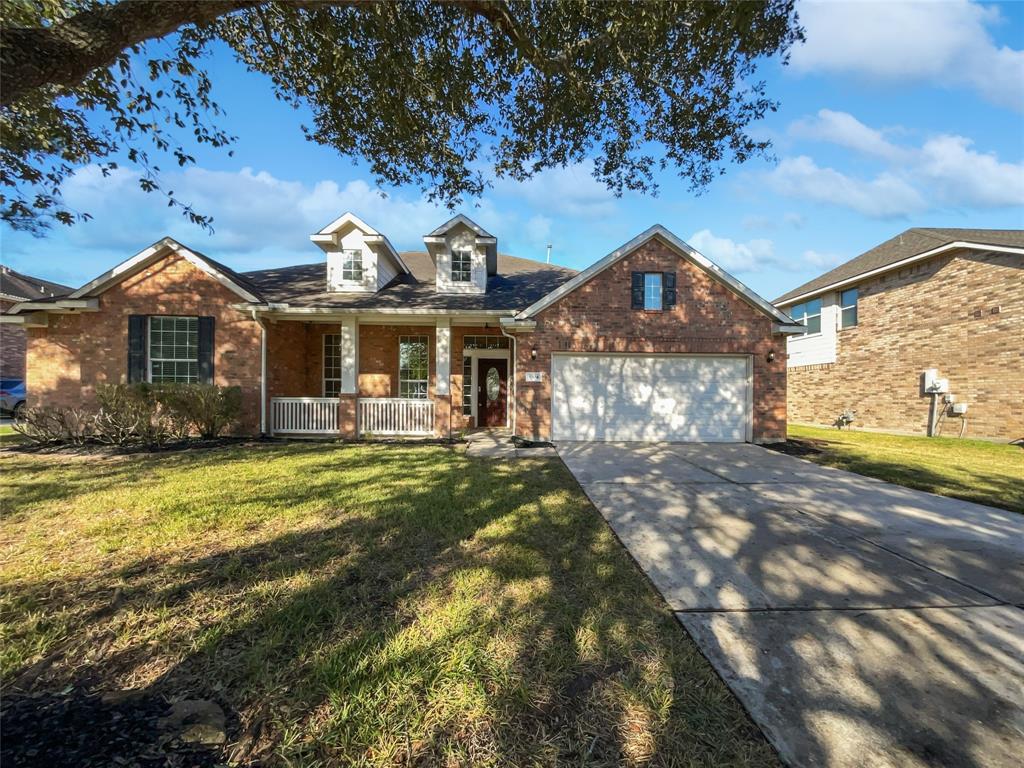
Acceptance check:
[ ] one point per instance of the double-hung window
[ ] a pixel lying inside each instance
(173, 349)
(808, 314)
(462, 261)
(352, 265)
(652, 291)
(848, 308)
(332, 364)
(413, 366)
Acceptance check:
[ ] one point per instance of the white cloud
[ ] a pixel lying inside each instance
(945, 43)
(944, 171)
(885, 196)
(731, 255)
(820, 261)
(845, 130)
(569, 191)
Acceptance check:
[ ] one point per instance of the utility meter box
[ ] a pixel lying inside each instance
(941, 386)
(959, 409)
(930, 375)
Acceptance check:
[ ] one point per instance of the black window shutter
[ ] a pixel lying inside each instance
(136, 348)
(638, 290)
(668, 289)
(206, 350)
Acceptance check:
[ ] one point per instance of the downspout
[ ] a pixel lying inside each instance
(515, 373)
(263, 372)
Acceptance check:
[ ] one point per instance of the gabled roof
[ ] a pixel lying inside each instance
(683, 249)
(158, 250)
(518, 283)
(465, 221)
(17, 286)
(922, 242)
(325, 237)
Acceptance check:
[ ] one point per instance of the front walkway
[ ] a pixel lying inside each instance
(859, 622)
(497, 444)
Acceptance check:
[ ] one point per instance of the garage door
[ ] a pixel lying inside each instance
(673, 398)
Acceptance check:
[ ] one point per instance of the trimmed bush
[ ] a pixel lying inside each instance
(208, 409)
(56, 425)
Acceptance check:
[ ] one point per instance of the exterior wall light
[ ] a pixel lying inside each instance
(533, 353)
(771, 355)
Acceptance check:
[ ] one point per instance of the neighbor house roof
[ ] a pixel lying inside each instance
(16, 286)
(917, 241)
(519, 283)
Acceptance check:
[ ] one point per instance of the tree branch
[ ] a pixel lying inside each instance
(66, 52)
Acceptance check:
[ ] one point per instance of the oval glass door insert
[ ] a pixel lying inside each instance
(493, 384)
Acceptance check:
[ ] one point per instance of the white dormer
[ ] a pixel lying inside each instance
(359, 258)
(464, 256)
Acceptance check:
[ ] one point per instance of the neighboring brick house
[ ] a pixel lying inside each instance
(15, 288)
(652, 342)
(945, 299)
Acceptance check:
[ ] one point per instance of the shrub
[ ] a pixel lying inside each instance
(56, 425)
(209, 409)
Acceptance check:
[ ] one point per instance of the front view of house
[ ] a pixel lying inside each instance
(653, 342)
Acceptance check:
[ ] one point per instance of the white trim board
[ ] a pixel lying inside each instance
(899, 264)
(684, 250)
(151, 255)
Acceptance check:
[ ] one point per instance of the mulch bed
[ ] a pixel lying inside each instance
(80, 729)
(798, 447)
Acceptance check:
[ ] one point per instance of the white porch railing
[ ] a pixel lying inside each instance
(395, 416)
(304, 415)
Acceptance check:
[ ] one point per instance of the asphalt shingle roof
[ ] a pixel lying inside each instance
(903, 246)
(29, 288)
(519, 283)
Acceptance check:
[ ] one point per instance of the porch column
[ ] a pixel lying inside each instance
(347, 405)
(443, 376)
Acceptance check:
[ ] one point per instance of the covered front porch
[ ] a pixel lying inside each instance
(363, 377)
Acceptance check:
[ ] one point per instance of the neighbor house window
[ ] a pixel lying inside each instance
(848, 308)
(467, 386)
(652, 290)
(461, 263)
(808, 314)
(352, 265)
(174, 349)
(412, 366)
(332, 364)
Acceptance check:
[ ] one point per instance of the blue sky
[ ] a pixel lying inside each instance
(892, 115)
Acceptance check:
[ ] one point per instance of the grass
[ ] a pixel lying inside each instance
(8, 436)
(357, 605)
(974, 470)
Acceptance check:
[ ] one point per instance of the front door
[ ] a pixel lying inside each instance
(491, 399)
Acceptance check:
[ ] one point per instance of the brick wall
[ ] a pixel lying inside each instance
(597, 317)
(962, 313)
(78, 351)
(12, 347)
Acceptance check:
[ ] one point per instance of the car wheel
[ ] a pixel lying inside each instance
(19, 411)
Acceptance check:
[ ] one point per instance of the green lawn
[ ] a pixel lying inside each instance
(367, 605)
(8, 436)
(975, 470)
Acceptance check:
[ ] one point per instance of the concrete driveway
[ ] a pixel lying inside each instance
(860, 623)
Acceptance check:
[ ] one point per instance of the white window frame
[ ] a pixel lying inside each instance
(352, 268)
(803, 319)
(467, 385)
(648, 291)
(336, 350)
(150, 359)
(466, 255)
(843, 307)
(426, 380)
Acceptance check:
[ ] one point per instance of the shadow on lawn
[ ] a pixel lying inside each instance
(476, 613)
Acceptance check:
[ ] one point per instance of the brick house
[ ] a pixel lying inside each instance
(949, 301)
(14, 289)
(652, 342)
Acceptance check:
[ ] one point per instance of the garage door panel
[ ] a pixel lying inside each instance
(649, 398)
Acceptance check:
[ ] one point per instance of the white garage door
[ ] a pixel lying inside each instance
(672, 398)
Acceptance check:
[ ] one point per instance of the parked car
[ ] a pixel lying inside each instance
(12, 397)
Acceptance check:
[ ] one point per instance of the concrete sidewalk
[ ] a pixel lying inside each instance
(860, 623)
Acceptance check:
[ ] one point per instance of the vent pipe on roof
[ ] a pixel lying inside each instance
(549, 254)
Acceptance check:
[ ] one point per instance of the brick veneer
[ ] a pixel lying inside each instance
(708, 319)
(12, 347)
(78, 351)
(936, 314)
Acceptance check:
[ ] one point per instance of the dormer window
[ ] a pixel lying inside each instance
(352, 265)
(462, 261)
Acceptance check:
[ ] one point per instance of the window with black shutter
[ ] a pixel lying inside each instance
(638, 290)
(668, 282)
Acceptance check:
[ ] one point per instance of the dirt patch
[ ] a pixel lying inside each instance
(76, 728)
(794, 447)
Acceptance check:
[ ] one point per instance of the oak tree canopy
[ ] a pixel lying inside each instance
(442, 94)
